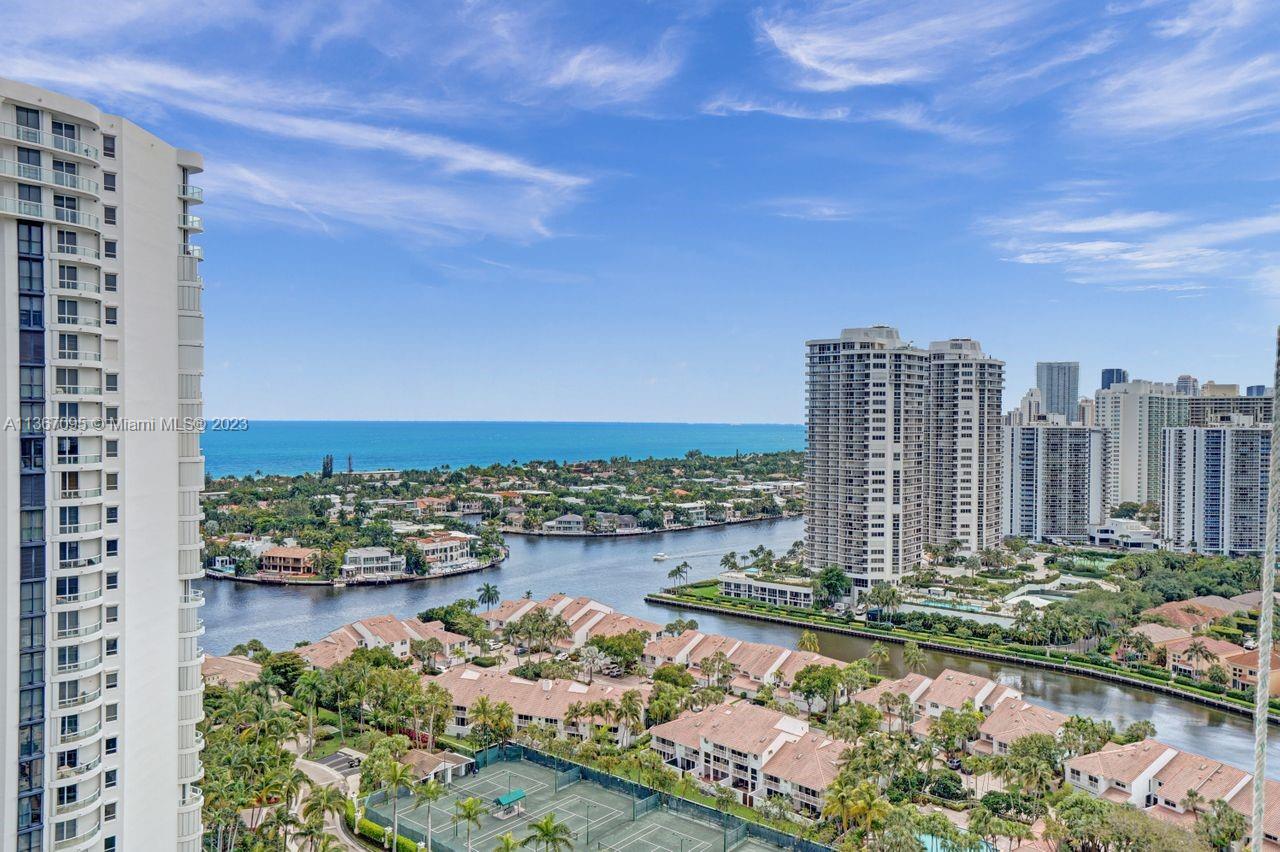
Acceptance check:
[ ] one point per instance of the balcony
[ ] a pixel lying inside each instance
(78, 632)
(191, 629)
(78, 286)
(194, 194)
(82, 562)
(80, 840)
(25, 171)
(79, 666)
(78, 355)
(77, 390)
(77, 252)
(194, 799)
(78, 805)
(79, 701)
(31, 136)
(187, 222)
(48, 212)
(196, 598)
(77, 321)
(189, 250)
(79, 597)
(80, 735)
(80, 459)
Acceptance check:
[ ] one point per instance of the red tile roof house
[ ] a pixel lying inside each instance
(1012, 720)
(294, 561)
(752, 750)
(586, 618)
(544, 702)
(1181, 660)
(386, 631)
(950, 690)
(1193, 614)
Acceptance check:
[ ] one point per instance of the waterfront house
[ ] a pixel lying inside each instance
(1193, 614)
(432, 505)
(445, 549)
(569, 523)
(1120, 773)
(288, 561)
(1243, 669)
(371, 562)
(386, 631)
(950, 690)
(586, 618)
(546, 702)
(229, 670)
(1184, 656)
(753, 751)
(776, 590)
(1012, 720)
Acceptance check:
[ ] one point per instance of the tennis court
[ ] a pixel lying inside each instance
(597, 818)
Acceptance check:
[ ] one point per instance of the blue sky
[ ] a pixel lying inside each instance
(640, 211)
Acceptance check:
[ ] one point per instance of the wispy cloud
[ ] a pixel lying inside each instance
(915, 116)
(811, 209)
(725, 105)
(605, 74)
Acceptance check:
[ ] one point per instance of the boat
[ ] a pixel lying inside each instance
(660, 557)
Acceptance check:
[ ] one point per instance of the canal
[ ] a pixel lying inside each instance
(620, 571)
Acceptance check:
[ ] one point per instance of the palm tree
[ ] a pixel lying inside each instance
(396, 776)
(680, 573)
(324, 801)
(631, 711)
(592, 659)
(548, 835)
(487, 595)
(1192, 802)
(878, 655)
(729, 561)
(913, 657)
(808, 642)
(837, 804)
(468, 812)
(428, 793)
(309, 690)
(507, 843)
(573, 714)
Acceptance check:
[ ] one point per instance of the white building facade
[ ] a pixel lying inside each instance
(1053, 481)
(101, 660)
(962, 484)
(1215, 488)
(1133, 416)
(1059, 384)
(865, 461)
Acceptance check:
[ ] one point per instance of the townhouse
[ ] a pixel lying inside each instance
(229, 670)
(752, 750)
(1010, 721)
(386, 631)
(546, 702)
(950, 690)
(587, 618)
(444, 549)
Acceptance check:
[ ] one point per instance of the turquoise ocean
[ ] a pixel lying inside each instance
(298, 446)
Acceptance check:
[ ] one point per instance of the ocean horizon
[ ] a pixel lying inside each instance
(298, 446)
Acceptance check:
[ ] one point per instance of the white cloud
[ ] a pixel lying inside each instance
(607, 75)
(725, 105)
(914, 116)
(811, 209)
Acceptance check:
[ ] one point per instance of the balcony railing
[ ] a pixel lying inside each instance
(26, 171)
(79, 355)
(82, 562)
(195, 797)
(191, 250)
(79, 839)
(78, 803)
(75, 633)
(191, 193)
(72, 529)
(80, 700)
(77, 390)
(81, 459)
(78, 251)
(77, 666)
(80, 735)
(18, 207)
(79, 286)
(32, 136)
(196, 598)
(79, 493)
(76, 319)
(190, 223)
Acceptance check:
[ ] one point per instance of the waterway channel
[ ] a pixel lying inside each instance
(620, 571)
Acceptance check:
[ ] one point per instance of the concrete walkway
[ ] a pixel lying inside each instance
(322, 776)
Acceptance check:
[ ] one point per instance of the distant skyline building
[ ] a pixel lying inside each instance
(1059, 384)
(1114, 376)
(104, 345)
(1187, 385)
(1215, 487)
(1132, 416)
(1255, 390)
(1087, 412)
(1030, 407)
(963, 429)
(1053, 485)
(865, 461)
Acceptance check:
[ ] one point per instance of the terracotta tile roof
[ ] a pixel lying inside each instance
(545, 699)
(911, 684)
(230, 670)
(1220, 648)
(1212, 779)
(616, 624)
(951, 689)
(1242, 802)
(283, 552)
(1186, 614)
(745, 727)
(507, 610)
(1249, 659)
(1013, 719)
(1159, 633)
(1121, 762)
(796, 660)
(668, 648)
(812, 761)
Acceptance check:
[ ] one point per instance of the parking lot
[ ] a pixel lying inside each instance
(341, 762)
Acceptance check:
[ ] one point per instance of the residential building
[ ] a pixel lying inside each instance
(1114, 376)
(229, 670)
(963, 426)
(1031, 408)
(1243, 669)
(444, 550)
(1206, 410)
(754, 751)
(1052, 481)
(288, 560)
(365, 562)
(1124, 534)
(554, 703)
(775, 589)
(1133, 416)
(1214, 493)
(1216, 389)
(386, 631)
(1254, 391)
(1187, 385)
(1193, 614)
(1059, 384)
(101, 665)
(929, 697)
(1087, 412)
(865, 459)
(1194, 656)
(1010, 721)
(1123, 774)
(569, 523)
(586, 618)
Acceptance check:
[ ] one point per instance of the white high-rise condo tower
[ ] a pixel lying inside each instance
(962, 470)
(1052, 480)
(864, 467)
(103, 355)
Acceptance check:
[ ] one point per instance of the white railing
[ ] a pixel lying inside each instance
(83, 459)
(191, 193)
(26, 171)
(49, 140)
(75, 633)
(81, 390)
(79, 286)
(72, 529)
(76, 319)
(79, 493)
(78, 736)
(78, 803)
(78, 666)
(79, 251)
(82, 562)
(78, 701)
(36, 210)
(79, 355)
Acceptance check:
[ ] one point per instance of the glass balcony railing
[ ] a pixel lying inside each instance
(80, 459)
(81, 562)
(190, 223)
(77, 390)
(80, 700)
(191, 193)
(78, 251)
(26, 171)
(31, 136)
(78, 804)
(79, 735)
(73, 529)
(76, 319)
(195, 251)
(79, 355)
(77, 666)
(35, 210)
(79, 493)
(79, 286)
(75, 633)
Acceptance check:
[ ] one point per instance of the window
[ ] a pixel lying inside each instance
(108, 146)
(111, 414)
(31, 239)
(108, 248)
(109, 781)
(113, 712)
(109, 181)
(113, 547)
(111, 382)
(109, 811)
(30, 275)
(109, 282)
(113, 647)
(30, 157)
(111, 315)
(113, 448)
(65, 129)
(113, 514)
(29, 194)
(113, 680)
(31, 382)
(30, 312)
(32, 453)
(113, 481)
(109, 214)
(27, 117)
(33, 525)
(113, 580)
(113, 614)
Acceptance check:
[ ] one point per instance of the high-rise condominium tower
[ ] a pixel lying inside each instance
(1059, 384)
(1052, 480)
(102, 474)
(865, 463)
(1215, 487)
(1114, 376)
(1187, 385)
(962, 435)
